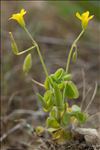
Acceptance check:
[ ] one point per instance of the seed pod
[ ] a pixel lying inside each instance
(27, 63)
(74, 56)
(13, 44)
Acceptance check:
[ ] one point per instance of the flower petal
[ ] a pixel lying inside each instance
(90, 17)
(86, 14)
(78, 16)
(22, 12)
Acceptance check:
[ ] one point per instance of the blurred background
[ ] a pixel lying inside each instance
(54, 26)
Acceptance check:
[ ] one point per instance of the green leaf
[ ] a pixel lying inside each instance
(61, 85)
(52, 123)
(65, 119)
(46, 103)
(67, 77)
(81, 117)
(41, 99)
(71, 90)
(53, 112)
(51, 80)
(48, 98)
(27, 63)
(59, 73)
(13, 44)
(61, 135)
(47, 83)
(48, 95)
(54, 79)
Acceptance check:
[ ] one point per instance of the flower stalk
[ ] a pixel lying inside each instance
(38, 50)
(71, 50)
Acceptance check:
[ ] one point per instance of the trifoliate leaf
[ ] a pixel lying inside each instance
(47, 105)
(59, 73)
(71, 90)
(52, 123)
(67, 77)
(48, 98)
(41, 99)
(81, 117)
(51, 80)
(27, 63)
(61, 85)
(65, 119)
(53, 112)
(48, 95)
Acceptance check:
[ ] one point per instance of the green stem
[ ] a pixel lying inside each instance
(38, 83)
(38, 50)
(59, 115)
(20, 53)
(41, 59)
(64, 93)
(71, 50)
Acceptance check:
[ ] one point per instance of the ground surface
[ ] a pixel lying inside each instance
(50, 145)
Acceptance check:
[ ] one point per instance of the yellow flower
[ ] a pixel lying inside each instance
(19, 17)
(84, 18)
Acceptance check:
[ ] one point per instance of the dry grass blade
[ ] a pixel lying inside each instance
(23, 111)
(89, 89)
(92, 98)
(18, 126)
(98, 113)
